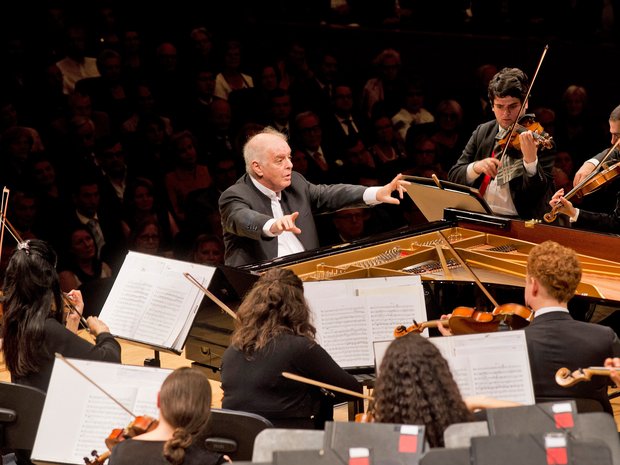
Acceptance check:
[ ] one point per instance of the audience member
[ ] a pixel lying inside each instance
(208, 250)
(413, 111)
(448, 136)
(384, 93)
(231, 78)
(187, 175)
(76, 65)
(79, 263)
(141, 205)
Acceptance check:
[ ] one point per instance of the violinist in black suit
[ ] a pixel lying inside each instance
(554, 339)
(520, 183)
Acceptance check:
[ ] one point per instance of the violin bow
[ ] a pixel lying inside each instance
(210, 295)
(87, 378)
(527, 96)
(467, 267)
(330, 387)
(3, 207)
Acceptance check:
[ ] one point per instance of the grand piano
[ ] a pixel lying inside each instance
(494, 248)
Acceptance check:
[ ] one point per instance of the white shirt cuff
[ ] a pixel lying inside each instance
(573, 219)
(267, 228)
(470, 174)
(594, 161)
(530, 167)
(370, 195)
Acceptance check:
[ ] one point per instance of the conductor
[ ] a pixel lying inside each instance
(269, 211)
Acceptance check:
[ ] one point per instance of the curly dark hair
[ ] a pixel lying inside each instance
(31, 295)
(415, 386)
(508, 82)
(185, 403)
(275, 305)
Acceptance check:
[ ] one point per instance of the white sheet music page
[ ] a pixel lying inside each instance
(350, 314)
(152, 302)
(490, 364)
(84, 414)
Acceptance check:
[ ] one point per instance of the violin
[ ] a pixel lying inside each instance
(590, 184)
(139, 425)
(514, 315)
(527, 123)
(463, 320)
(565, 378)
(466, 320)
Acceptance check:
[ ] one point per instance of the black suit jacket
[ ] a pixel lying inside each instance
(245, 210)
(530, 194)
(555, 340)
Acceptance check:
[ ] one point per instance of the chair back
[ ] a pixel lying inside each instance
(233, 433)
(20, 412)
(281, 439)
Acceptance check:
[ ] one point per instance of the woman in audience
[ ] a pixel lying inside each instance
(187, 175)
(34, 326)
(273, 333)
(81, 264)
(146, 238)
(184, 406)
(141, 206)
(415, 386)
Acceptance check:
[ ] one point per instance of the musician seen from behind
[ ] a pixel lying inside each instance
(34, 325)
(274, 334)
(184, 403)
(554, 339)
(519, 183)
(268, 212)
(604, 222)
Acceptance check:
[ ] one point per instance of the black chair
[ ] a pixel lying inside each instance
(440, 456)
(20, 412)
(532, 449)
(232, 432)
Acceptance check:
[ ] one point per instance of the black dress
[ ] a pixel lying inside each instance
(136, 452)
(257, 385)
(59, 339)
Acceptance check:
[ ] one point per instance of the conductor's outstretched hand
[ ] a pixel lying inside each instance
(286, 223)
(384, 194)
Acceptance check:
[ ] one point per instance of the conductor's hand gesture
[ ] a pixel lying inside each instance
(384, 195)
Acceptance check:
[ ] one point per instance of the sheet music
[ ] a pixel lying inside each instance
(491, 364)
(350, 314)
(86, 415)
(152, 302)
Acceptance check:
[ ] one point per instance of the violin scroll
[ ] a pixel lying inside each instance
(566, 378)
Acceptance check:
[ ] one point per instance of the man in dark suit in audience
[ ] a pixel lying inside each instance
(554, 339)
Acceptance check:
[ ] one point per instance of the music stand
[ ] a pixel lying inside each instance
(432, 196)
